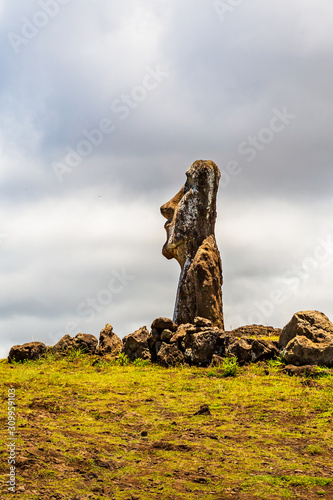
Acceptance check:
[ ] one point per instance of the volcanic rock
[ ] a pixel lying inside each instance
(135, 345)
(161, 324)
(86, 342)
(199, 347)
(313, 325)
(169, 355)
(190, 227)
(308, 339)
(109, 342)
(29, 351)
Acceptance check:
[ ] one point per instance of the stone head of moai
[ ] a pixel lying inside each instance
(190, 227)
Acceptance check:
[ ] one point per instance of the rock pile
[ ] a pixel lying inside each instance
(307, 340)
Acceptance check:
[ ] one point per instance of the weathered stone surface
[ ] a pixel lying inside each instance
(190, 227)
(169, 355)
(256, 330)
(109, 342)
(302, 351)
(202, 322)
(29, 351)
(199, 347)
(64, 344)
(135, 345)
(241, 349)
(304, 371)
(263, 350)
(166, 335)
(86, 342)
(182, 330)
(308, 339)
(245, 349)
(161, 324)
(313, 325)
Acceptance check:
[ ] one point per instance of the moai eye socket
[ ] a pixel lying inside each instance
(189, 184)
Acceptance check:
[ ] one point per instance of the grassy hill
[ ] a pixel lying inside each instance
(92, 429)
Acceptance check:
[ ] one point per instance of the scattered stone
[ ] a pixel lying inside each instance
(169, 355)
(136, 345)
(109, 342)
(25, 352)
(64, 344)
(246, 350)
(166, 335)
(308, 339)
(263, 350)
(302, 351)
(241, 349)
(86, 342)
(313, 325)
(190, 227)
(202, 322)
(204, 410)
(164, 324)
(199, 347)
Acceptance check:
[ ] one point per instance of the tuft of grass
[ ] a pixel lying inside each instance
(314, 449)
(121, 360)
(141, 362)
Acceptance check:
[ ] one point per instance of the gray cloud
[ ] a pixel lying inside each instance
(222, 83)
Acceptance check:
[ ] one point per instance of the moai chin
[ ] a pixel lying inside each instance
(190, 227)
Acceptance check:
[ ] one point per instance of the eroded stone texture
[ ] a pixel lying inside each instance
(109, 342)
(136, 345)
(308, 339)
(29, 351)
(190, 226)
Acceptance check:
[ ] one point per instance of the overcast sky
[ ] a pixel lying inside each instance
(103, 107)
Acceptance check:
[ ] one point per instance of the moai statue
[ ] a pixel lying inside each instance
(191, 216)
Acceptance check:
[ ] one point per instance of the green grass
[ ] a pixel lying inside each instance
(124, 430)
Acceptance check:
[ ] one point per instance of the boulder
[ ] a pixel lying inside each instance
(181, 332)
(135, 345)
(313, 325)
(84, 341)
(109, 342)
(25, 352)
(263, 350)
(241, 349)
(302, 351)
(161, 324)
(199, 347)
(245, 349)
(308, 339)
(169, 355)
(255, 330)
(64, 344)
(166, 335)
